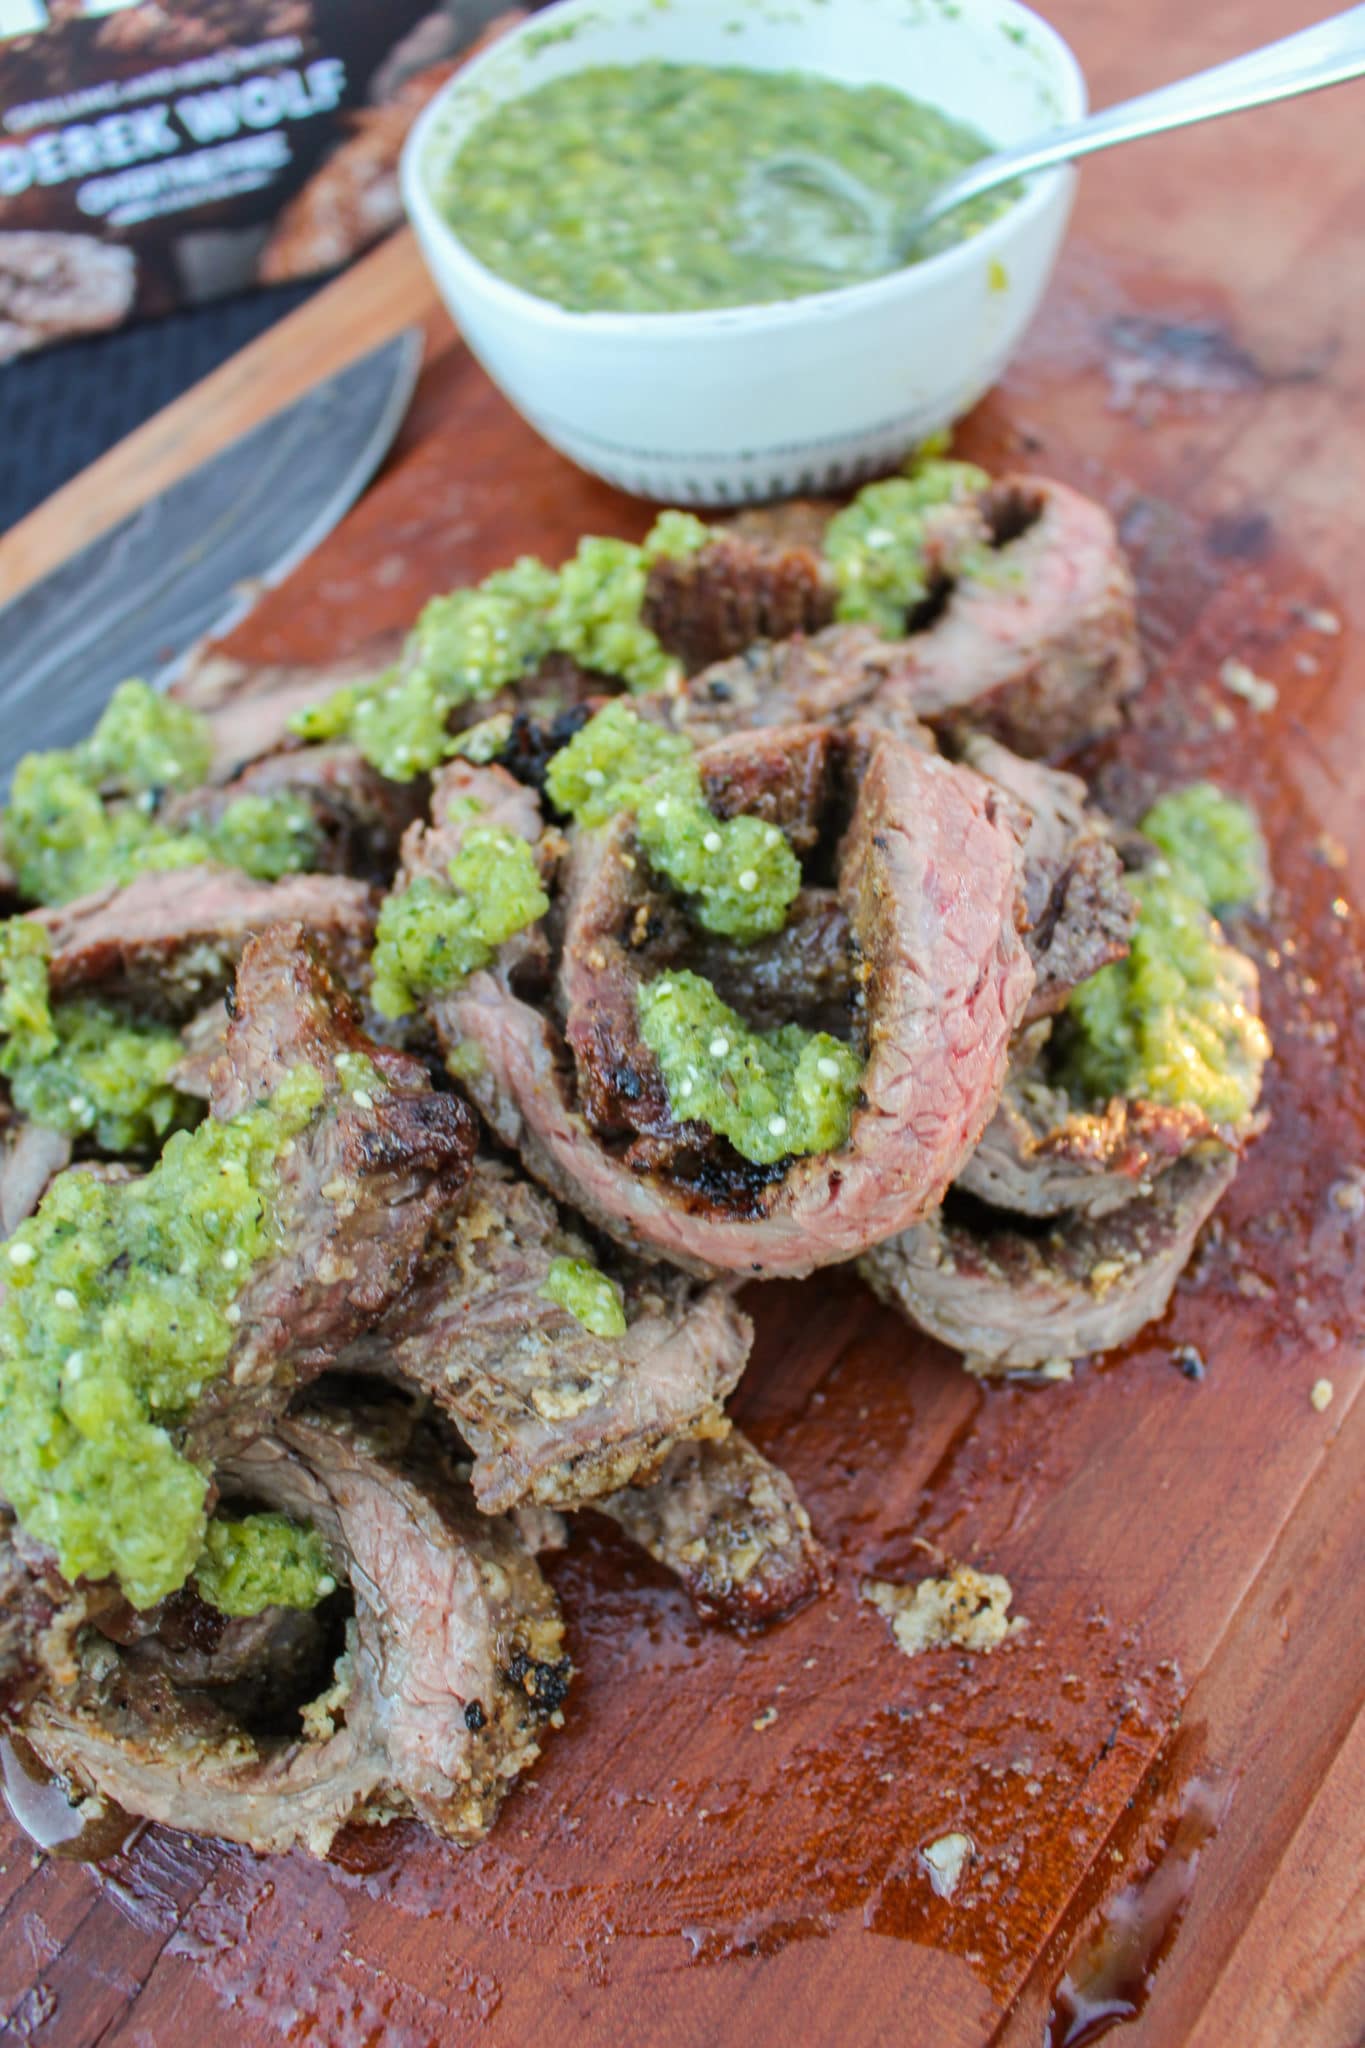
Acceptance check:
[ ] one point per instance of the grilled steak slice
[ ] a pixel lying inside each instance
(1038, 647)
(552, 1413)
(28, 1603)
(736, 589)
(365, 1181)
(360, 816)
(1009, 1300)
(730, 1526)
(927, 881)
(31, 1157)
(1080, 915)
(791, 523)
(169, 940)
(1041, 1155)
(453, 1662)
(249, 706)
(1041, 648)
(831, 677)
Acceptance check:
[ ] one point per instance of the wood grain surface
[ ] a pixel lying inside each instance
(1190, 1555)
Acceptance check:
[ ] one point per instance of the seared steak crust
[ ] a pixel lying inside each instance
(1080, 915)
(553, 1414)
(927, 880)
(31, 1157)
(733, 591)
(1038, 647)
(729, 1525)
(1010, 1300)
(453, 1661)
(360, 816)
(364, 1182)
(1041, 1155)
(168, 940)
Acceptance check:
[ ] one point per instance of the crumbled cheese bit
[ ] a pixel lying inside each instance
(64, 1298)
(1319, 621)
(764, 1720)
(946, 1859)
(1321, 1394)
(22, 1255)
(968, 1609)
(1257, 691)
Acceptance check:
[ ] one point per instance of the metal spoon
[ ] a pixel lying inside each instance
(1327, 54)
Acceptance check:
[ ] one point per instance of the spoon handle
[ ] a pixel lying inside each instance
(1326, 54)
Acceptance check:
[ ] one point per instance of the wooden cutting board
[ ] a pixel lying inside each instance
(724, 1843)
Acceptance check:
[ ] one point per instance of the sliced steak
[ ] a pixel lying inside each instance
(249, 705)
(358, 814)
(1042, 1155)
(552, 1413)
(364, 1182)
(790, 523)
(31, 1157)
(1037, 646)
(204, 1039)
(927, 879)
(736, 589)
(452, 1664)
(831, 677)
(1080, 914)
(170, 939)
(1010, 1299)
(730, 1526)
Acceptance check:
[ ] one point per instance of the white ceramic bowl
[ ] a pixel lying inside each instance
(757, 402)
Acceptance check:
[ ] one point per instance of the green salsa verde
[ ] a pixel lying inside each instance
(431, 934)
(1175, 1022)
(472, 643)
(264, 1560)
(739, 875)
(773, 1094)
(82, 817)
(628, 188)
(83, 1066)
(119, 1308)
(588, 1295)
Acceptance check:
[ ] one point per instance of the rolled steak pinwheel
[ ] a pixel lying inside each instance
(925, 867)
(553, 1413)
(1032, 638)
(433, 1696)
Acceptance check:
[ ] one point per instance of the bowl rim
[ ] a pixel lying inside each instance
(426, 217)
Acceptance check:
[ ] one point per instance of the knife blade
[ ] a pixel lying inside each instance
(192, 561)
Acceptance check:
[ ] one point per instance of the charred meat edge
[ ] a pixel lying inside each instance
(454, 1661)
(1011, 1300)
(928, 875)
(552, 1414)
(1040, 650)
(729, 1525)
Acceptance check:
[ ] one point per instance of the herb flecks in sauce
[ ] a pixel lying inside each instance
(260, 1561)
(885, 548)
(80, 818)
(1175, 1022)
(118, 1311)
(472, 643)
(588, 1295)
(83, 1066)
(738, 874)
(430, 935)
(773, 1094)
(1213, 844)
(636, 183)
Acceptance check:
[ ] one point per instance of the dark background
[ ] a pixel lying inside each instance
(62, 407)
